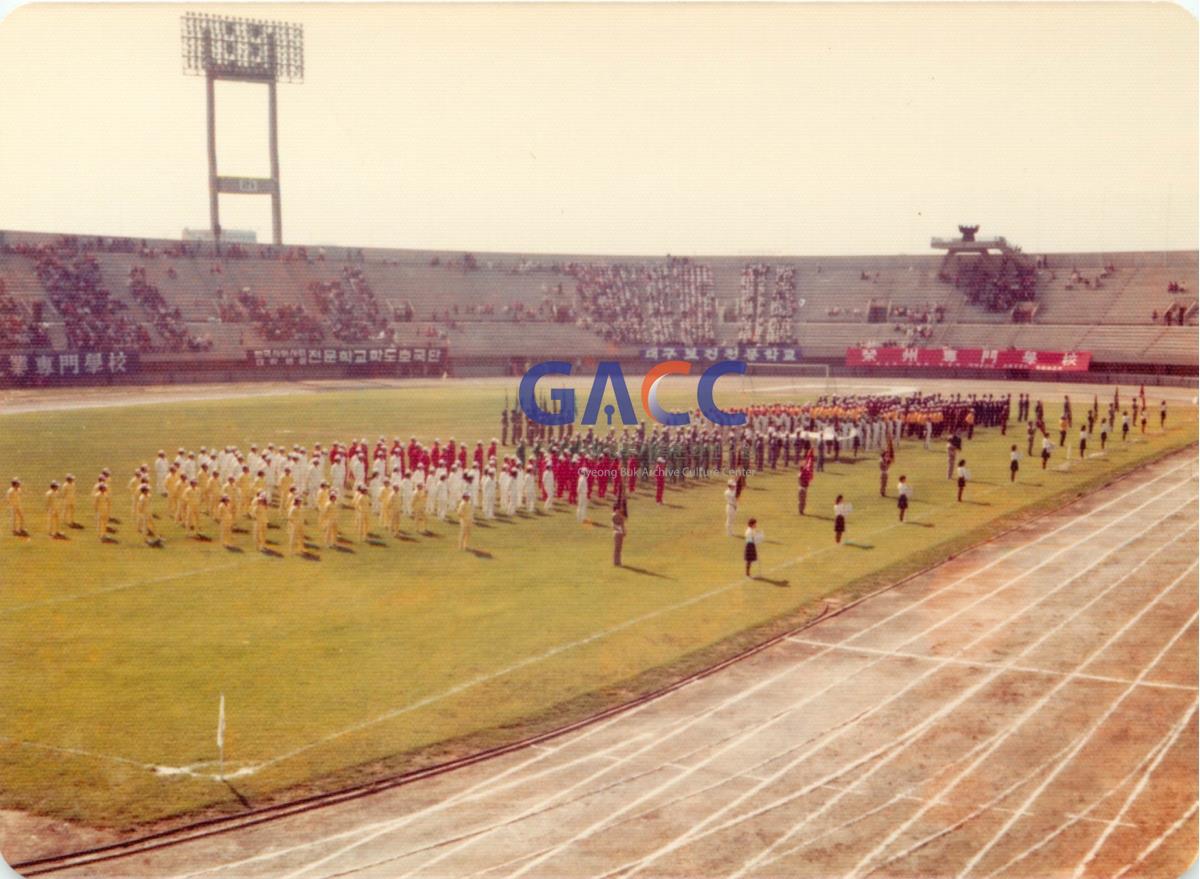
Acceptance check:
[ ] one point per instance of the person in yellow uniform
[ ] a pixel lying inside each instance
(466, 518)
(396, 511)
(327, 518)
(206, 482)
(15, 510)
(262, 514)
(241, 501)
(225, 515)
(54, 511)
(362, 513)
(418, 509)
(174, 485)
(191, 503)
(228, 490)
(68, 501)
(145, 518)
(257, 487)
(282, 491)
(295, 522)
(102, 504)
(134, 485)
(387, 499)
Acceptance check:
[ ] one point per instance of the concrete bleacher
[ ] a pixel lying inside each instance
(1114, 321)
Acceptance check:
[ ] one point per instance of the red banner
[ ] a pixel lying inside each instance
(971, 358)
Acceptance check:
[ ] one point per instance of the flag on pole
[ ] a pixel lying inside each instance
(221, 724)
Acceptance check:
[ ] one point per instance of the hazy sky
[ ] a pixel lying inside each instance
(624, 128)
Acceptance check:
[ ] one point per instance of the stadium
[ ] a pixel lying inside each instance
(304, 574)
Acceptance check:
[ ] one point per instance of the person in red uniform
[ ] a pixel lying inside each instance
(660, 480)
(631, 466)
(602, 475)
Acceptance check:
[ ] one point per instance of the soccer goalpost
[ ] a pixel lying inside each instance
(805, 378)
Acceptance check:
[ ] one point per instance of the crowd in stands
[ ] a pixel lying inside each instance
(916, 323)
(768, 305)
(16, 331)
(1172, 316)
(517, 311)
(995, 282)
(287, 323)
(167, 319)
(646, 304)
(92, 318)
(351, 308)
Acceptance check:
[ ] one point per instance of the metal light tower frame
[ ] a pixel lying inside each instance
(242, 50)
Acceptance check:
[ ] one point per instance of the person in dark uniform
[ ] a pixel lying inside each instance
(884, 463)
(753, 536)
(619, 518)
(1162, 415)
(1014, 464)
(840, 509)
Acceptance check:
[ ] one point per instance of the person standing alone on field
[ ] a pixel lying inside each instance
(1162, 415)
(951, 454)
(902, 490)
(884, 463)
(840, 510)
(753, 539)
(1014, 464)
(962, 478)
(619, 517)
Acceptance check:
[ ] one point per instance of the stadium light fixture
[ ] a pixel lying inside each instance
(242, 50)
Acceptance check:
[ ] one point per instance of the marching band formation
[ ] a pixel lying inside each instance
(531, 467)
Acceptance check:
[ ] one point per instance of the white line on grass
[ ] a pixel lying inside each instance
(554, 651)
(133, 584)
(543, 804)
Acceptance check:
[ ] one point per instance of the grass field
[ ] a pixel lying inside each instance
(112, 657)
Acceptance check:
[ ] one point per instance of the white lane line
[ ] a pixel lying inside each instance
(947, 709)
(1032, 710)
(694, 833)
(683, 839)
(740, 583)
(544, 804)
(1037, 792)
(970, 663)
(1157, 841)
(1159, 746)
(382, 830)
(755, 730)
(480, 790)
(1129, 800)
(483, 788)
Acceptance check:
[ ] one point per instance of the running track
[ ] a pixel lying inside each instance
(1028, 708)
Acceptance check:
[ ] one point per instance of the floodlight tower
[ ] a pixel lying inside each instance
(242, 50)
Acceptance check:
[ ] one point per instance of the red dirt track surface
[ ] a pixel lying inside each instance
(1028, 708)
